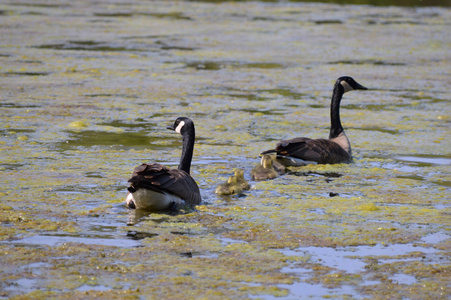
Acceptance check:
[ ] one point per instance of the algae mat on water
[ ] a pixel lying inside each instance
(87, 89)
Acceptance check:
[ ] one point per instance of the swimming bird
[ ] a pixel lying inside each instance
(230, 187)
(239, 175)
(337, 149)
(157, 187)
(265, 170)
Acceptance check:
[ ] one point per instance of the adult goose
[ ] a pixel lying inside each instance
(337, 149)
(156, 187)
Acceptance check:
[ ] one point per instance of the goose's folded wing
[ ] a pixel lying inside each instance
(319, 150)
(302, 148)
(162, 179)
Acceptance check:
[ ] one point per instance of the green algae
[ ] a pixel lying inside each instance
(79, 114)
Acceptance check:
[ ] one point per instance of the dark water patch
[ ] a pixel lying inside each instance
(218, 65)
(166, 46)
(188, 254)
(263, 111)
(258, 65)
(140, 235)
(31, 61)
(411, 177)
(37, 4)
(285, 92)
(322, 22)
(139, 125)
(95, 174)
(419, 96)
(250, 97)
(76, 189)
(25, 73)
(442, 183)
(55, 240)
(317, 106)
(12, 167)
(206, 65)
(114, 15)
(376, 107)
(367, 62)
(407, 3)
(172, 15)
(146, 37)
(16, 130)
(382, 130)
(91, 46)
(400, 22)
(124, 140)
(266, 18)
(106, 95)
(315, 174)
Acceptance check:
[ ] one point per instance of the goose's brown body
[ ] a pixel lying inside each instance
(337, 149)
(157, 187)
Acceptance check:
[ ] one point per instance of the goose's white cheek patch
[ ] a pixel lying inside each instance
(346, 86)
(179, 127)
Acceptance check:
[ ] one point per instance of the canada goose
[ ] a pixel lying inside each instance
(232, 186)
(336, 149)
(265, 170)
(156, 187)
(239, 175)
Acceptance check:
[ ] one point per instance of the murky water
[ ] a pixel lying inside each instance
(88, 88)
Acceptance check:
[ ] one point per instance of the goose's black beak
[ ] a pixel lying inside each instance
(358, 86)
(171, 127)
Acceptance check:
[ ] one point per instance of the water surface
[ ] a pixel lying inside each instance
(88, 89)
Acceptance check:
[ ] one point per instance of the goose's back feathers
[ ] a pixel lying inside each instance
(159, 178)
(321, 151)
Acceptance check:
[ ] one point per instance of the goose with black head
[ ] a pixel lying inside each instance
(337, 149)
(156, 187)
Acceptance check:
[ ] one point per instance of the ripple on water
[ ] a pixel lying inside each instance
(49, 240)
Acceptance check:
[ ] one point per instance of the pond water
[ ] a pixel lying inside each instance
(88, 88)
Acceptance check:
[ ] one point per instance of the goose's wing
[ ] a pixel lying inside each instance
(159, 178)
(322, 151)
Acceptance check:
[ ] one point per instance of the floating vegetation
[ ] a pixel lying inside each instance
(82, 105)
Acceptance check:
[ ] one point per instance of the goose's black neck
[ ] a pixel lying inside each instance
(188, 147)
(335, 127)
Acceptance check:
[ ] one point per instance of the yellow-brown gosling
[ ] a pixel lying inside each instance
(239, 175)
(230, 187)
(265, 170)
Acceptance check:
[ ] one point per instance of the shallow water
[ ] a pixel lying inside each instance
(88, 90)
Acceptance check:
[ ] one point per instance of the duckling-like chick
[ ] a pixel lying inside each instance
(280, 168)
(230, 187)
(239, 175)
(265, 170)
